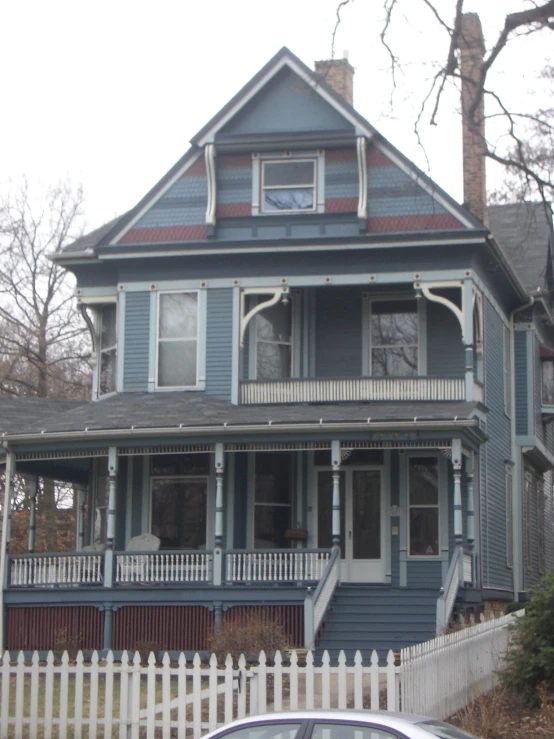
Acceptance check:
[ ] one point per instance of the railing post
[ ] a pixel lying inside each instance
(457, 465)
(218, 541)
(309, 635)
(110, 533)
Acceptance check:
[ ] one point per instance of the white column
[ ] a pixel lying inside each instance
(457, 465)
(6, 512)
(33, 487)
(335, 461)
(470, 466)
(81, 504)
(218, 539)
(110, 533)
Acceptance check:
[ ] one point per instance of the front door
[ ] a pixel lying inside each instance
(361, 503)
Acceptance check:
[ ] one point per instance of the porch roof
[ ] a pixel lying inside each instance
(185, 412)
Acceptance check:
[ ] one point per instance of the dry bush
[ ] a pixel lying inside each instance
(546, 698)
(485, 717)
(248, 635)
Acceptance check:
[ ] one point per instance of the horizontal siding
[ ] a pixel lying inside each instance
(537, 389)
(219, 343)
(520, 351)
(338, 351)
(445, 351)
(136, 341)
(424, 574)
(497, 450)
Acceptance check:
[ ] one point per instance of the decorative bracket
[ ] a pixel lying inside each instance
(362, 177)
(209, 154)
(276, 293)
(471, 299)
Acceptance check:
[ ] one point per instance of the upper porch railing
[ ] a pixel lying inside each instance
(352, 389)
(56, 570)
(150, 568)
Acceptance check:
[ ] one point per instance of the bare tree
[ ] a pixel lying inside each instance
(525, 145)
(43, 343)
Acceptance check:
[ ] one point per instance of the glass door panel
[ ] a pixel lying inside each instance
(366, 518)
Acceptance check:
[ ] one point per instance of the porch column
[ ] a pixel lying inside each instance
(467, 336)
(81, 491)
(335, 461)
(6, 515)
(32, 487)
(470, 465)
(110, 526)
(218, 539)
(457, 465)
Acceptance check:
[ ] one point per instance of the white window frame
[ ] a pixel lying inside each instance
(104, 350)
(367, 347)
(258, 162)
(438, 506)
(200, 340)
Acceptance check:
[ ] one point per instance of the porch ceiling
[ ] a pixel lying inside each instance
(190, 413)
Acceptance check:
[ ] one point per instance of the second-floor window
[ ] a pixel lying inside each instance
(107, 332)
(273, 343)
(547, 366)
(288, 186)
(177, 361)
(394, 338)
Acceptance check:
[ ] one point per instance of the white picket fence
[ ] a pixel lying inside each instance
(128, 700)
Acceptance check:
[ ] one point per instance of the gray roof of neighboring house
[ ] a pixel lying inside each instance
(193, 409)
(92, 239)
(17, 413)
(524, 233)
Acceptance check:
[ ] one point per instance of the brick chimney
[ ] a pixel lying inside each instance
(338, 74)
(472, 51)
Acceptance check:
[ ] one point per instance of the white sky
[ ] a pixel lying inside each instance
(109, 93)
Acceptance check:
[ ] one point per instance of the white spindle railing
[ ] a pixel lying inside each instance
(295, 565)
(353, 389)
(60, 569)
(163, 567)
(449, 591)
(316, 605)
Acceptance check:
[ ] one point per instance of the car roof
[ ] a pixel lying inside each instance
(392, 719)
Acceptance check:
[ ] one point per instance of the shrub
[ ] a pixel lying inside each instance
(530, 657)
(248, 635)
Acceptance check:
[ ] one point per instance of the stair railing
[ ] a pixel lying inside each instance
(449, 590)
(316, 603)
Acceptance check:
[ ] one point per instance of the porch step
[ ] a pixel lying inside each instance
(372, 617)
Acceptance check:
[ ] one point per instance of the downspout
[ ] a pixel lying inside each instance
(517, 554)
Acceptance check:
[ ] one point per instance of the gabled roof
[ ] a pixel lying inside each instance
(283, 60)
(525, 234)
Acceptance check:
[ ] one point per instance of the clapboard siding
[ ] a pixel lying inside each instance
(219, 343)
(537, 389)
(445, 351)
(424, 574)
(136, 341)
(520, 350)
(338, 351)
(497, 450)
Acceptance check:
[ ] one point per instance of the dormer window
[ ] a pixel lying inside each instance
(289, 185)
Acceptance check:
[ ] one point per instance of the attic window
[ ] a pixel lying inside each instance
(289, 186)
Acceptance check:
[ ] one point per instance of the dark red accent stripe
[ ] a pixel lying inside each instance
(233, 210)
(340, 155)
(341, 205)
(291, 618)
(164, 233)
(226, 161)
(165, 627)
(376, 158)
(55, 627)
(197, 169)
(430, 222)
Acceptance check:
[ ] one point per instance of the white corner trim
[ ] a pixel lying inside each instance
(362, 176)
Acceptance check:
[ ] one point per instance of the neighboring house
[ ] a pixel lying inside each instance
(305, 354)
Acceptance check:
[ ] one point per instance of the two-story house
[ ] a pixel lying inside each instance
(303, 396)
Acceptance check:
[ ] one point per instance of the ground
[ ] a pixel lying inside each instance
(498, 715)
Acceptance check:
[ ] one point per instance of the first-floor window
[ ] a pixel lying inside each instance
(547, 366)
(107, 332)
(423, 504)
(273, 481)
(101, 499)
(177, 339)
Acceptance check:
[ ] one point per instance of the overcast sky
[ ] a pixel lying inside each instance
(110, 93)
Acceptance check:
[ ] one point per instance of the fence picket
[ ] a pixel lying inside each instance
(436, 678)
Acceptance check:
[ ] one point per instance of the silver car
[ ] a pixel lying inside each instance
(338, 724)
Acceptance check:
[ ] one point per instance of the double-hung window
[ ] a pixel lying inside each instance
(177, 359)
(107, 337)
(394, 340)
(289, 185)
(423, 504)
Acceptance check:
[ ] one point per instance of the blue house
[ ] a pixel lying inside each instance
(317, 396)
